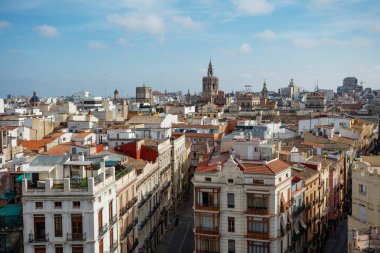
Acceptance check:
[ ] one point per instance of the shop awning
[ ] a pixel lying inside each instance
(21, 177)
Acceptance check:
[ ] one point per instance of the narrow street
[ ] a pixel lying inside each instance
(338, 242)
(180, 237)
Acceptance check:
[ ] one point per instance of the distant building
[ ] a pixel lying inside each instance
(290, 91)
(34, 100)
(350, 84)
(316, 101)
(210, 87)
(144, 95)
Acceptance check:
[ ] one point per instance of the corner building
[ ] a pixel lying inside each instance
(242, 205)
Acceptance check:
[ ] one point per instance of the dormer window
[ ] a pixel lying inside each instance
(230, 181)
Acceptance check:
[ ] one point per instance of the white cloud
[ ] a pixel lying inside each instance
(322, 3)
(265, 35)
(312, 43)
(4, 25)
(47, 31)
(375, 27)
(95, 44)
(245, 48)
(186, 22)
(254, 7)
(150, 23)
(123, 42)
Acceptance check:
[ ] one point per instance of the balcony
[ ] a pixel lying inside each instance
(103, 230)
(255, 235)
(76, 237)
(150, 214)
(165, 187)
(129, 228)
(113, 220)
(148, 195)
(321, 183)
(207, 230)
(207, 207)
(38, 238)
(134, 246)
(114, 247)
(128, 206)
(257, 210)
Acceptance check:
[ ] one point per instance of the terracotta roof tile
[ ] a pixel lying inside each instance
(35, 145)
(278, 166)
(306, 143)
(60, 149)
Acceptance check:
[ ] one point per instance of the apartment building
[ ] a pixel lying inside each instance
(127, 204)
(153, 189)
(204, 135)
(320, 210)
(242, 205)
(298, 213)
(70, 207)
(365, 193)
(308, 220)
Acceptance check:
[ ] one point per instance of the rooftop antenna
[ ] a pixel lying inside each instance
(316, 89)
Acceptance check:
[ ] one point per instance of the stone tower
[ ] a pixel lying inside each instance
(264, 91)
(210, 85)
(116, 96)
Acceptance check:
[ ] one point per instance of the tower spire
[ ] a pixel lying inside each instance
(210, 69)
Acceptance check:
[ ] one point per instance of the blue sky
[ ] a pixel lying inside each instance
(61, 47)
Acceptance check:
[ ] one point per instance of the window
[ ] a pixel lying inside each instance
(39, 205)
(362, 213)
(76, 204)
(77, 249)
(255, 247)
(101, 246)
(58, 248)
(58, 225)
(362, 189)
(257, 225)
(231, 246)
(208, 179)
(111, 239)
(100, 219)
(110, 212)
(230, 200)
(231, 224)
(58, 204)
(257, 181)
(76, 227)
(257, 201)
(39, 249)
(230, 181)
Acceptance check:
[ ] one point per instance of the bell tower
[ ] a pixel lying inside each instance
(210, 87)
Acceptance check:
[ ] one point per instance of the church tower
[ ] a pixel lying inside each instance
(210, 85)
(264, 91)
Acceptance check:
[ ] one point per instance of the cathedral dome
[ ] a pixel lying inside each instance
(34, 98)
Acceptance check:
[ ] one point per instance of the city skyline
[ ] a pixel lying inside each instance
(74, 45)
